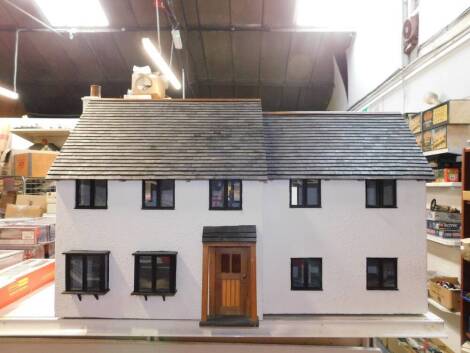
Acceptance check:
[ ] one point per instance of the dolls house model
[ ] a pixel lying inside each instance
(214, 211)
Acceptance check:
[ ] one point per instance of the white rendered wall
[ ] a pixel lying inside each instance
(435, 15)
(343, 232)
(125, 228)
(376, 50)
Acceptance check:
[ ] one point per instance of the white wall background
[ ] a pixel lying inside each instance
(434, 15)
(375, 52)
(343, 232)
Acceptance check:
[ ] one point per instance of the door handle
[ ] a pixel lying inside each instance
(244, 276)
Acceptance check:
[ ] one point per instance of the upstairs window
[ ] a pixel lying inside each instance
(305, 193)
(86, 272)
(154, 273)
(158, 194)
(225, 194)
(381, 193)
(381, 273)
(306, 274)
(91, 194)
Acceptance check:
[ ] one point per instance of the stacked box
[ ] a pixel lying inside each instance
(447, 175)
(10, 257)
(445, 126)
(443, 224)
(27, 232)
(21, 279)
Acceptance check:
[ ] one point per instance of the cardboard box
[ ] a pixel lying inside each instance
(415, 123)
(33, 163)
(427, 141)
(33, 200)
(447, 175)
(22, 211)
(443, 216)
(427, 120)
(398, 345)
(10, 257)
(449, 298)
(6, 198)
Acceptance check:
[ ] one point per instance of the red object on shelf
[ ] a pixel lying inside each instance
(21, 279)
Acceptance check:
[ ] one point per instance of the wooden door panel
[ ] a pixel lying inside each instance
(231, 281)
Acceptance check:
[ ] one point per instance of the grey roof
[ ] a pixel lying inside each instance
(178, 139)
(229, 234)
(342, 145)
(205, 139)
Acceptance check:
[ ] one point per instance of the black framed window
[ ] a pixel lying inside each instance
(225, 194)
(381, 193)
(154, 273)
(382, 273)
(306, 273)
(91, 194)
(305, 193)
(86, 272)
(158, 194)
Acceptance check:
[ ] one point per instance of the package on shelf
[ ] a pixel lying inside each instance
(10, 257)
(23, 211)
(32, 200)
(27, 232)
(36, 251)
(21, 279)
(415, 123)
(416, 345)
(443, 233)
(443, 216)
(447, 175)
(446, 291)
(449, 227)
(445, 126)
(33, 163)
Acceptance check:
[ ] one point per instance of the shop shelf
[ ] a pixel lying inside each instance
(444, 185)
(441, 307)
(443, 241)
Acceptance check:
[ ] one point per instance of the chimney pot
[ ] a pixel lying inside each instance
(95, 91)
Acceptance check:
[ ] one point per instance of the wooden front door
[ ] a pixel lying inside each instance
(231, 281)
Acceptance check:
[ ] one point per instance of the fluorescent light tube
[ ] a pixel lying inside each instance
(8, 93)
(74, 13)
(160, 62)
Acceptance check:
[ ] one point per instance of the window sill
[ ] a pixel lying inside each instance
(225, 209)
(79, 293)
(91, 208)
(388, 207)
(307, 289)
(162, 294)
(290, 206)
(158, 208)
(386, 289)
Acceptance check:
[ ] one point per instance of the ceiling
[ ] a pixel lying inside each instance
(231, 48)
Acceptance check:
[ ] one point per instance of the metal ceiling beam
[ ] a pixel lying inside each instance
(244, 28)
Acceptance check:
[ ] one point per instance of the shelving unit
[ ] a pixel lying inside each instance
(465, 265)
(444, 241)
(444, 185)
(440, 152)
